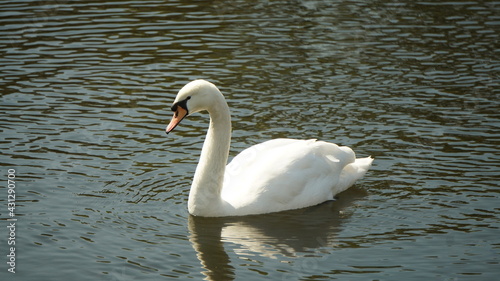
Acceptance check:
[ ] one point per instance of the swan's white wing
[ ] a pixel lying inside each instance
(285, 174)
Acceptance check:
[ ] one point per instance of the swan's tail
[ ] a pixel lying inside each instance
(353, 172)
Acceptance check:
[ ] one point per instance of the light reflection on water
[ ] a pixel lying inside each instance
(102, 192)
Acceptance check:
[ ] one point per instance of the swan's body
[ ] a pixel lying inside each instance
(272, 176)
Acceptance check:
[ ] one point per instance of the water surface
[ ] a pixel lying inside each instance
(102, 192)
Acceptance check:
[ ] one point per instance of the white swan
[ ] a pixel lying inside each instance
(272, 176)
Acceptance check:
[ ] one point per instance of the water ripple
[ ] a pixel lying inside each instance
(86, 88)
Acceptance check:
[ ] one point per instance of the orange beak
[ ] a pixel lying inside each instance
(179, 114)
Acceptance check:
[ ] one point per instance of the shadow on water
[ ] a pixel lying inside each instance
(287, 234)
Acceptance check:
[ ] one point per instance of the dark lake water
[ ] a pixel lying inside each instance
(101, 191)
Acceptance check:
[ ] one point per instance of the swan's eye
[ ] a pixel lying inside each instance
(180, 104)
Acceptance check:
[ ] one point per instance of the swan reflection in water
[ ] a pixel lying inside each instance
(289, 234)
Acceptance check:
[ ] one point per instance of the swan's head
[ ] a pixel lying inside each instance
(195, 96)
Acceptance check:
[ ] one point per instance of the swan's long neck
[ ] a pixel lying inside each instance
(205, 195)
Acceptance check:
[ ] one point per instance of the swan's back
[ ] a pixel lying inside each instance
(284, 174)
